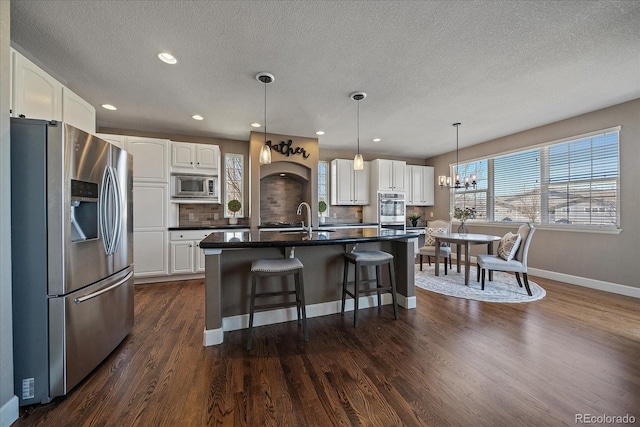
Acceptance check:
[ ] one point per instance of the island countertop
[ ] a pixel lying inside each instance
(262, 239)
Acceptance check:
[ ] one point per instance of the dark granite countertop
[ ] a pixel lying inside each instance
(346, 224)
(210, 227)
(324, 225)
(257, 239)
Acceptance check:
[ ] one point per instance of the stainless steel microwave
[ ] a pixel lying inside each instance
(194, 186)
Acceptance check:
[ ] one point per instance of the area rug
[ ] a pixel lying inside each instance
(503, 288)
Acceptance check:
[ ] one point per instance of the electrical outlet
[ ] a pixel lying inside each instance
(216, 216)
(431, 214)
(191, 216)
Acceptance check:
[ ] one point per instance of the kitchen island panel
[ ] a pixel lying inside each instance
(228, 281)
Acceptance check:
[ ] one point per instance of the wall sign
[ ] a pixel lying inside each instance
(287, 150)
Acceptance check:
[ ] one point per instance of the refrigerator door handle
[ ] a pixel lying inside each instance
(103, 200)
(117, 211)
(87, 297)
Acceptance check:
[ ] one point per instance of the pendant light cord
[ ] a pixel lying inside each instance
(358, 127)
(265, 113)
(457, 151)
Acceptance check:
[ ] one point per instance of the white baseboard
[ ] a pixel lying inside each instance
(9, 412)
(212, 337)
(171, 278)
(241, 321)
(601, 285)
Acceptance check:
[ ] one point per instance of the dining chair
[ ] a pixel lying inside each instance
(429, 248)
(516, 265)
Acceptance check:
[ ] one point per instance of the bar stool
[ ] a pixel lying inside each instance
(281, 267)
(366, 259)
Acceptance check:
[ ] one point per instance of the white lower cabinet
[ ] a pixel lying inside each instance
(185, 254)
(150, 253)
(182, 257)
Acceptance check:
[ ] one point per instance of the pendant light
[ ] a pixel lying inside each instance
(265, 150)
(358, 162)
(447, 182)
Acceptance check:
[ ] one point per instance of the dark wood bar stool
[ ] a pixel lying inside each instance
(278, 267)
(368, 259)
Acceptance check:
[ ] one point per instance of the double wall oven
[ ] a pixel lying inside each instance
(391, 210)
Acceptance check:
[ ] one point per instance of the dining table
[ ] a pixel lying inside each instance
(465, 240)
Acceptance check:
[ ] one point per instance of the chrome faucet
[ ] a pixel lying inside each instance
(299, 212)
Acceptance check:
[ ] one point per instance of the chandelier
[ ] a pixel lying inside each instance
(448, 182)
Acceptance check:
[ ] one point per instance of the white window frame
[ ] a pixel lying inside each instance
(227, 195)
(324, 197)
(544, 184)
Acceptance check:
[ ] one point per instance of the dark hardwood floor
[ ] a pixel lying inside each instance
(450, 362)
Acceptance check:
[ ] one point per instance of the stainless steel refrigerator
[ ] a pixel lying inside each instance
(72, 255)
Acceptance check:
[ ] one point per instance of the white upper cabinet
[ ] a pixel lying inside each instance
(78, 112)
(388, 175)
(420, 185)
(36, 95)
(117, 140)
(195, 158)
(208, 157)
(349, 187)
(150, 158)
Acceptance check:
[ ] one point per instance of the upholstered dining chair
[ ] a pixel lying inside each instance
(502, 261)
(429, 248)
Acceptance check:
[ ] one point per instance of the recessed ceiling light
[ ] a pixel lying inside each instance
(282, 174)
(376, 140)
(167, 57)
(109, 107)
(197, 117)
(320, 132)
(255, 125)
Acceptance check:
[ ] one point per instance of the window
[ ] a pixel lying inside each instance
(323, 184)
(575, 181)
(234, 182)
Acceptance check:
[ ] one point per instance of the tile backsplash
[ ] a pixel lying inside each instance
(203, 215)
(279, 199)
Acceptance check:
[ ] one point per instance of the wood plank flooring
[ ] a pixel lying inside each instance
(450, 362)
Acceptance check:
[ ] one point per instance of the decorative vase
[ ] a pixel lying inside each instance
(233, 220)
(414, 222)
(462, 229)
(322, 219)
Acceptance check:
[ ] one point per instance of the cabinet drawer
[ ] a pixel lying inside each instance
(188, 235)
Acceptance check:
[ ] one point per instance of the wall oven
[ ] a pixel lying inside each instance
(194, 186)
(391, 209)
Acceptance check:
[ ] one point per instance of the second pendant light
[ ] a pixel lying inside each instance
(358, 162)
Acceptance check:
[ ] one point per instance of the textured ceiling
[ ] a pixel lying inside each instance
(498, 67)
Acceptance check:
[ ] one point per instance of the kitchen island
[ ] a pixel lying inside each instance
(229, 254)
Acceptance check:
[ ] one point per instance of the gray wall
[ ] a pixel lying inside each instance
(7, 412)
(604, 257)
